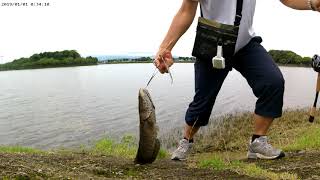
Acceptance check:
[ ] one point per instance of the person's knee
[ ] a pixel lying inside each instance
(277, 83)
(197, 122)
(272, 86)
(270, 98)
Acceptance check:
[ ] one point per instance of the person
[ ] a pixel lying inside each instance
(250, 59)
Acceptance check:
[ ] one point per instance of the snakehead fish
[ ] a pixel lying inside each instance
(149, 145)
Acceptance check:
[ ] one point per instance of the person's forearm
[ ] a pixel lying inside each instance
(297, 4)
(181, 22)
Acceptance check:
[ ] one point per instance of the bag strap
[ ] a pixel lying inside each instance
(201, 10)
(238, 12)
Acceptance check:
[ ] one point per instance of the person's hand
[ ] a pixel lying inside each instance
(163, 60)
(316, 5)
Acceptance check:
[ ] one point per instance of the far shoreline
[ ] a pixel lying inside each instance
(178, 62)
(187, 62)
(4, 70)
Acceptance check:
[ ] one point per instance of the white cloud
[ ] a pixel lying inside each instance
(112, 27)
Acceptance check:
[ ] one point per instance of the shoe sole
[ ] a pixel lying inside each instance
(251, 155)
(178, 159)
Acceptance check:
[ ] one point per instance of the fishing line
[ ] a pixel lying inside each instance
(156, 71)
(153, 75)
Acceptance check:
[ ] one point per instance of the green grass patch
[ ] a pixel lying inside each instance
(254, 171)
(162, 154)
(308, 139)
(219, 164)
(127, 147)
(216, 163)
(18, 149)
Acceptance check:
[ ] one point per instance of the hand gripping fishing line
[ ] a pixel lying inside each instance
(156, 71)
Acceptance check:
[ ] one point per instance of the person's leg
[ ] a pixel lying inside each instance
(267, 83)
(190, 131)
(261, 124)
(208, 82)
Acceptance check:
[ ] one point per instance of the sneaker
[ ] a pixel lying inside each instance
(182, 151)
(260, 148)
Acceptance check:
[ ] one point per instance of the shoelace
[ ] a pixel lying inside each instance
(183, 147)
(266, 144)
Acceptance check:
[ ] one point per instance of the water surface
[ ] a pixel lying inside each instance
(55, 107)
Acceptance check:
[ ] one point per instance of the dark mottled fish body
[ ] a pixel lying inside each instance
(149, 145)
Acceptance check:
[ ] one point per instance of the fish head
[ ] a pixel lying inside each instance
(146, 106)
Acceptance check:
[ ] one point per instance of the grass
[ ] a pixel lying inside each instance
(216, 163)
(221, 144)
(254, 171)
(127, 147)
(232, 133)
(309, 139)
(249, 169)
(18, 149)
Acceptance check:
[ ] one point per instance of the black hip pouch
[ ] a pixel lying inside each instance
(212, 34)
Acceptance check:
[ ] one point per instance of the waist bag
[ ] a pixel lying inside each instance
(212, 34)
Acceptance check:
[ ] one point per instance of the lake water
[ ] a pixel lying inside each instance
(67, 107)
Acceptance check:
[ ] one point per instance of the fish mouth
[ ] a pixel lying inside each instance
(144, 92)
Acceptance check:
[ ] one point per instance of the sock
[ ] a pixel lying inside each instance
(190, 140)
(254, 137)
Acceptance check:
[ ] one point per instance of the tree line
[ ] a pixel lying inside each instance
(146, 60)
(281, 57)
(284, 57)
(49, 59)
(73, 58)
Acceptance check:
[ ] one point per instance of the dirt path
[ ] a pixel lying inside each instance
(84, 166)
(305, 164)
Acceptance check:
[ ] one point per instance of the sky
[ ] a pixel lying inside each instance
(103, 27)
